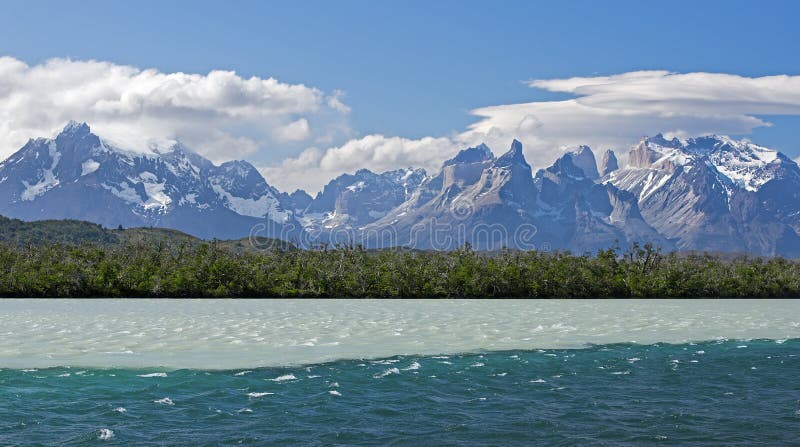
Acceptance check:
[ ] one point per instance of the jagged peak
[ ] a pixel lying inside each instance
(75, 127)
(301, 193)
(238, 164)
(477, 154)
(405, 171)
(565, 166)
(609, 163)
(581, 149)
(513, 156)
(364, 172)
(659, 140)
(583, 157)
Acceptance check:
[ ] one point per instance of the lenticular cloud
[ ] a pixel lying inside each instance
(615, 111)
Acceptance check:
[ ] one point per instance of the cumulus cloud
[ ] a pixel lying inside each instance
(616, 111)
(314, 167)
(220, 114)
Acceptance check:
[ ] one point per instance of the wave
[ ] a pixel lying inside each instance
(515, 398)
(412, 363)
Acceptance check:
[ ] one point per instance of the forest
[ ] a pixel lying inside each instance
(184, 268)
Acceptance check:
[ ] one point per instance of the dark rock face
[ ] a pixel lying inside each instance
(609, 163)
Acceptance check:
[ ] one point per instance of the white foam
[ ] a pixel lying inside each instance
(156, 374)
(387, 372)
(164, 401)
(412, 367)
(120, 410)
(284, 378)
(105, 434)
(334, 393)
(257, 395)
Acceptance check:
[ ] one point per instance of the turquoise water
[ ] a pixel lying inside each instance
(711, 393)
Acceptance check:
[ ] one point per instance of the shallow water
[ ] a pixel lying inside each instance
(224, 334)
(364, 372)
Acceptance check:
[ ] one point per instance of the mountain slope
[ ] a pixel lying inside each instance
(351, 201)
(77, 232)
(709, 193)
(77, 175)
(492, 203)
(714, 193)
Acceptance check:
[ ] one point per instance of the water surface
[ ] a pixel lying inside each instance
(712, 393)
(224, 334)
(367, 372)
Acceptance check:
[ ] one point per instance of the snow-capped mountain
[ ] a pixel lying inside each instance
(352, 201)
(709, 193)
(715, 193)
(581, 214)
(78, 175)
(493, 203)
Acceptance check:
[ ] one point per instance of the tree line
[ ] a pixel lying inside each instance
(210, 270)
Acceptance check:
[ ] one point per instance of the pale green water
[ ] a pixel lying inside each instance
(222, 334)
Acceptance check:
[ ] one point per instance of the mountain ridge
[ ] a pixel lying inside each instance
(707, 193)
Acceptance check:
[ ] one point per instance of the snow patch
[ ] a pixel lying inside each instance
(358, 186)
(48, 179)
(266, 205)
(89, 166)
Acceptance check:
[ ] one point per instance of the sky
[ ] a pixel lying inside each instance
(309, 90)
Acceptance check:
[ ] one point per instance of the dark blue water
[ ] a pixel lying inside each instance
(714, 393)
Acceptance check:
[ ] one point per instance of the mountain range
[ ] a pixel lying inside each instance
(710, 193)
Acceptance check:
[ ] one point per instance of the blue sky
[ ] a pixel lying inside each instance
(416, 69)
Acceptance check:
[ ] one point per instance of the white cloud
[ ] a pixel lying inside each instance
(335, 102)
(221, 114)
(294, 131)
(606, 112)
(313, 168)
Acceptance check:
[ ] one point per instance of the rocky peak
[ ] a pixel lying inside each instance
(565, 167)
(583, 157)
(609, 163)
(477, 154)
(75, 128)
(513, 157)
(642, 156)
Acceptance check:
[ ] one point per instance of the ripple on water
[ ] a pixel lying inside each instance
(253, 333)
